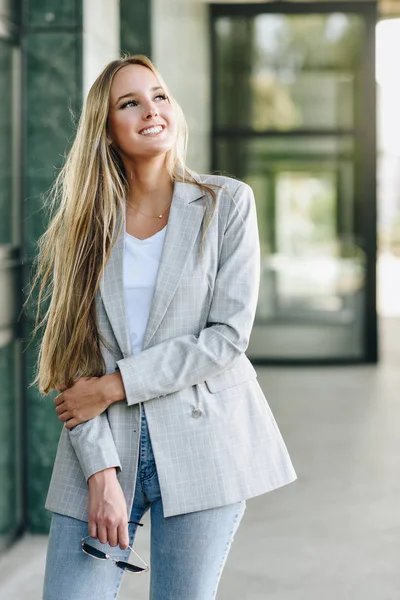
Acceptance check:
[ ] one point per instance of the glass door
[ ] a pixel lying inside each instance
(294, 116)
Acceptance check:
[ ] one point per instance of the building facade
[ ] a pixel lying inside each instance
(281, 95)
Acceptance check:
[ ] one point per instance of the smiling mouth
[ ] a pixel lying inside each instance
(154, 130)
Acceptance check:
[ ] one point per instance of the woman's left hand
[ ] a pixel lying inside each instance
(81, 402)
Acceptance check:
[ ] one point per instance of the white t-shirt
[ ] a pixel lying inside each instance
(141, 262)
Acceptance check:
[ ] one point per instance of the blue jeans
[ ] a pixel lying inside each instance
(188, 552)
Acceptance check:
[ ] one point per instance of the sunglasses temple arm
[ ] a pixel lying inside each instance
(136, 554)
(135, 523)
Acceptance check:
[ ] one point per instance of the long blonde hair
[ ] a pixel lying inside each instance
(84, 202)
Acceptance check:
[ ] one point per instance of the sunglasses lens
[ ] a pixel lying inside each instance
(93, 551)
(127, 567)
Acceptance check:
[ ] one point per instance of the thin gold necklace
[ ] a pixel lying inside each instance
(150, 217)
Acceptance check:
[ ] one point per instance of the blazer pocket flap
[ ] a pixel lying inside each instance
(231, 377)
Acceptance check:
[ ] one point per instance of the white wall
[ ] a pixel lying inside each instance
(180, 50)
(100, 38)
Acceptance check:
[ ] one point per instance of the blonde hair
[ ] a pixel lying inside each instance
(84, 202)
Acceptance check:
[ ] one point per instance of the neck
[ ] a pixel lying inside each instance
(150, 186)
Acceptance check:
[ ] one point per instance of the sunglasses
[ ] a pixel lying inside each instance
(125, 566)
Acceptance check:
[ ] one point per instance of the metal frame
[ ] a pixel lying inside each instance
(10, 33)
(284, 7)
(364, 132)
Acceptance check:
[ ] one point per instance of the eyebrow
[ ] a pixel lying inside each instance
(153, 89)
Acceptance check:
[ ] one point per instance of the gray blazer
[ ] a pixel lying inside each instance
(215, 440)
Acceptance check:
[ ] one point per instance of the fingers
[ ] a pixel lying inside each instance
(58, 399)
(64, 416)
(113, 535)
(92, 529)
(102, 533)
(117, 535)
(71, 418)
(107, 510)
(123, 536)
(61, 388)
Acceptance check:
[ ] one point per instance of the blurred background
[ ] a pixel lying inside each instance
(299, 99)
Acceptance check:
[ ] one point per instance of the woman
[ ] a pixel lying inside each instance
(152, 273)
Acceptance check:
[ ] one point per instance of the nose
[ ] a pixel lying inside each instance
(151, 111)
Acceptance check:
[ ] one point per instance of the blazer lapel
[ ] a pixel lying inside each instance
(184, 222)
(111, 289)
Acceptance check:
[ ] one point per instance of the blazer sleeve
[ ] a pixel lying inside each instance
(186, 360)
(94, 445)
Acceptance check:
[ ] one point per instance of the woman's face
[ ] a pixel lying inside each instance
(141, 121)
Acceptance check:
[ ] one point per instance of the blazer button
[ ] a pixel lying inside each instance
(197, 412)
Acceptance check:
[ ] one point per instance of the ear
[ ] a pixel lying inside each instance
(108, 136)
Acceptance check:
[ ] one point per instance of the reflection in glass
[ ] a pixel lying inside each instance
(312, 271)
(287, 107)
(286, 72)
(313, 277)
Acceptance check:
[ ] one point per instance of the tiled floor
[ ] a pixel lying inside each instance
(332, 535)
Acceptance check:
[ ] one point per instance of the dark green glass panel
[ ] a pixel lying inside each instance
(9, 469)
(38, 517)
(53, 104)
(54, 91)
(53, 13)
(43, 434)
(135, 27)
(288, 72)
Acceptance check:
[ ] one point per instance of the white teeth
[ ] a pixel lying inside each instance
(151, 130)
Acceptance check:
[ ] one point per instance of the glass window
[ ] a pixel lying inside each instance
(287, 72)
(288, 116)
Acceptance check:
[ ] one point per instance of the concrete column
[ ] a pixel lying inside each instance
(100, 38)
(180, 42)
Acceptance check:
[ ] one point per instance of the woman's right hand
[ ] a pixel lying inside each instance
(107, 510)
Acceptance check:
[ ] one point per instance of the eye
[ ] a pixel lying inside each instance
(130, 102)
(135, 103)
